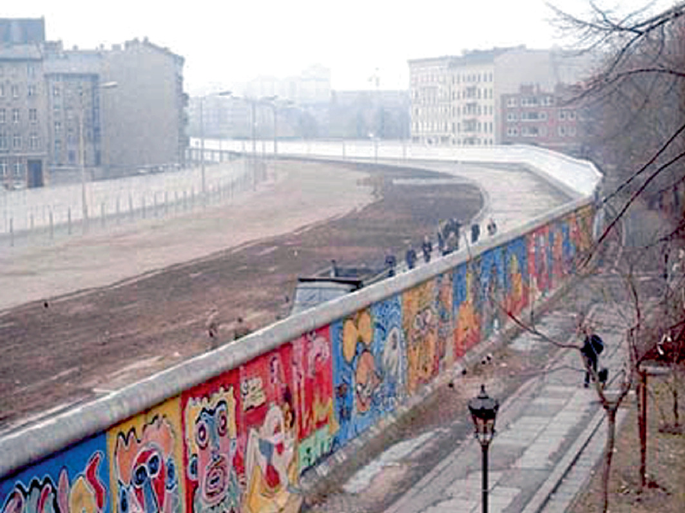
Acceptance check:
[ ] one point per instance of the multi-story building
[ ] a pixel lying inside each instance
(547, 118)
(143, 117)
(72, 81)
(114, 110)
(23, 122)
(456, 99)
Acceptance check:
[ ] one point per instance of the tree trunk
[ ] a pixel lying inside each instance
(642, 425)
(608, 455)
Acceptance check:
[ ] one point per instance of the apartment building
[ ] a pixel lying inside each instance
(455, 100)
(548, 118)
(23, 124)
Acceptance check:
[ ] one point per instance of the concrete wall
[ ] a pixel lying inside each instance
(238, 427)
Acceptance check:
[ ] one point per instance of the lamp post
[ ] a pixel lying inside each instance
(483, 410)
(202, 135)
(82, 152)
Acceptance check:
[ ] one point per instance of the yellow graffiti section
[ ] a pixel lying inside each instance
(420, 328)
(147, 444)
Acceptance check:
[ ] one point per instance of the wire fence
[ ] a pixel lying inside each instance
(39, 216)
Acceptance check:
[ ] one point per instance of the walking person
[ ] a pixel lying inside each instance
(390, 263)
(410, 256)
(492, 227)
(593, 346)
(475, 233)
(427, 249)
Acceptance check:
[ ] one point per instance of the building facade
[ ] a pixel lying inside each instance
(113, 110)
(143, 117)
(456, 100)
(23, 120)
(543, 118)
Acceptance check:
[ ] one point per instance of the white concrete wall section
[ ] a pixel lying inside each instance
(30, 208)
(580, 177)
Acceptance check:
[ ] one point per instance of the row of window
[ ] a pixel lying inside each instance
(18, 169)
(444, 78)
(15, 91)
(470, 109)
(17, 142)
(563, 115)
(30, 69)
(471, 93)
(486, 127)
(531, 101)
(16, 116)
(534, 131)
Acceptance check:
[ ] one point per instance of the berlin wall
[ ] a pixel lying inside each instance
(236, 428)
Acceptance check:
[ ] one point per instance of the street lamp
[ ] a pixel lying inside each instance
(202, 135)
(82, 152)
(483, 410)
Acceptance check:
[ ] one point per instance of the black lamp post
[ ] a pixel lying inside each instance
(483, 410)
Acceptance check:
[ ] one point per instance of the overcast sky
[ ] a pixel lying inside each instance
(224, 41)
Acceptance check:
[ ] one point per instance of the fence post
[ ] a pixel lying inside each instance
(130, 205)
(52, 226)
(142, 204)
(118, 211)
(102, 213)
(12, 231)
(69, 220)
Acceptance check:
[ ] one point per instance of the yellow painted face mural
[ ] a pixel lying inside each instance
(420, 327)
(145, 456)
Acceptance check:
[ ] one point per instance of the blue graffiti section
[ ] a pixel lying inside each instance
(492, 291)
(72, 481)
(368, 367)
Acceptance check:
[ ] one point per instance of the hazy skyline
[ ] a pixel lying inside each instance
(224, 42)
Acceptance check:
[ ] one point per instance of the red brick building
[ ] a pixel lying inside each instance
(541, 118)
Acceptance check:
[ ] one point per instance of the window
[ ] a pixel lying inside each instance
(511, 102)
(55, 91)
(562, 115)
(58, 145)
(31, 70)
(562, 131)
(58, 126)
(572, 130)
(18, 169)
(512, 116)
(529, 131)
(15, 91)
(33, 141)
(16, 141)
(3, 168)
(2, 116)
(15, 115)
(572, 114)
(32, 90)
(33, 116)
(3, 141)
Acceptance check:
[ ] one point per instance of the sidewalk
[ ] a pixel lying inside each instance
(541, 430)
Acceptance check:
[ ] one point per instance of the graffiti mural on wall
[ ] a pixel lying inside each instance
(492, 292)
(73, 481)
(369, 366)
(443, 309)
(539, 263)
(466, 308)
(313, 391)
(269, 433)
(516, 278)
(213, 467)
(145, 458)
(419, 322)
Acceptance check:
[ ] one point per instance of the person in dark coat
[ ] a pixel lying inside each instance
(475, 233)
(410, 256)
(427, 249)
(593, 346)
(391, 263)
(441, 242)
(492, 227)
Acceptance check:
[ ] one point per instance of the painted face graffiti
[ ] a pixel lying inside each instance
(146, 470)
(211, 432)
(366, 381)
